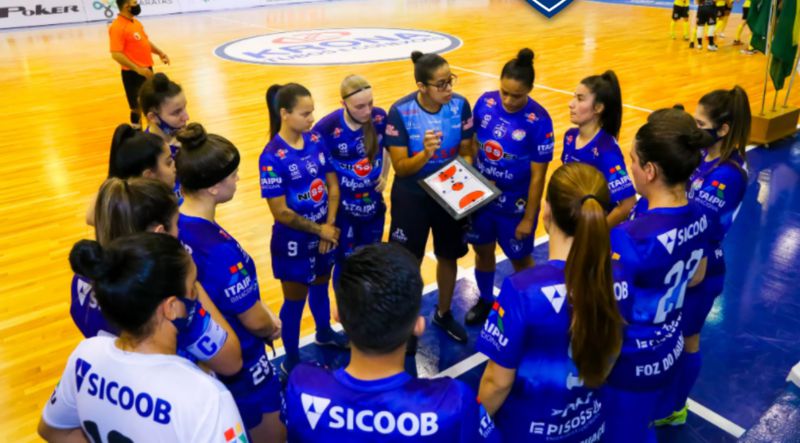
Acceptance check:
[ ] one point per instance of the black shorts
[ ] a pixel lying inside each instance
(744, 13)
(132, 83)
(414, 214)
(707, 15)
(679, 12)
(722, 11)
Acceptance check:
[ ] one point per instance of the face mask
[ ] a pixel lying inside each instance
(352, 117)
(165, 127)
(136, 10)
(713, 132)
(199, 336)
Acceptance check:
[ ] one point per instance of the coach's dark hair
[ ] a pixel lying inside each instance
(125, 207)
(578, 195)
(133, 152)
(121, 4)
(731, 107)
(672, 141)
(425, 65)
(282, 97)
(520, 68)
(379, 296)
(204, 159)
(155, 91)
(132, 275)
(605, 88)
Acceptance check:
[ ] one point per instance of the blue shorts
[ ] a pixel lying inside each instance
(697, 303)
(358, 231)
(256, 390)
(296, 257)
(629, 414)
(489, 226)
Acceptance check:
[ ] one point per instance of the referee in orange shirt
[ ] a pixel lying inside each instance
(131, 48)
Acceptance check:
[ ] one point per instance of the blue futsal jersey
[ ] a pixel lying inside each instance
(357, 176)
(323, 406)
(86, 312)
(528, 330)
(507, 144)
(660, 249)
(228, 275)
(604, 154)
(299, 175)
(407, 123)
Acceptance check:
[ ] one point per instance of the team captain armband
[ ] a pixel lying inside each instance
(204, 338)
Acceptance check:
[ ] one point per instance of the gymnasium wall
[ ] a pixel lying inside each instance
(25, 13)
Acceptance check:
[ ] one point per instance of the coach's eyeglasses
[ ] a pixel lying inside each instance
(444, 84)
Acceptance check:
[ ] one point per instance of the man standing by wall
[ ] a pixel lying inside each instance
(131, 48)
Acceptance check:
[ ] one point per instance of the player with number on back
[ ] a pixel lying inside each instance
(514, 138)
(597, 110)
(134, 388)
(373, 399)
(208, 167)
(663, 249)
(718, 186)
(354, 136)
(555, 329)
(302, 191)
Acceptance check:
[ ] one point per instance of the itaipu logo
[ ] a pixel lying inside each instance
(549, 8)
(345, 46)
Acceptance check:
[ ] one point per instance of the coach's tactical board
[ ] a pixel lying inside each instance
(459, 188)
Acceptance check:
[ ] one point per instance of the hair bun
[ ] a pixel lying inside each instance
(678, 106)
(160, 82)
(416, 55)
(698, 139)
(192, 136)
(88, 258)
(525, 57)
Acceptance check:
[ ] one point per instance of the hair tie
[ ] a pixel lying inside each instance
(356, 92)
(591, 197)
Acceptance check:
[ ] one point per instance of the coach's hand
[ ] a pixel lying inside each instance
(329, 233)
(432, 142)
(524, 229)
(164, 58)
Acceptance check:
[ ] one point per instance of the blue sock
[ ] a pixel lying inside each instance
(320, 306)
(337, 272)
(291, 314)
(689, 372)
(485, 281)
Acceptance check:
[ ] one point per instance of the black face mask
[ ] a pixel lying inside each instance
(136, 10)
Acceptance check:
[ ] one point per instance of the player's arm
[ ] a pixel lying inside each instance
(384, 178)
(495, 386)
(467, 149)
(700, 274)
(620, 213)
(285, 215)
(228, 361)
(55, 435)
(261, 322)
(535, 191)
(334, 195)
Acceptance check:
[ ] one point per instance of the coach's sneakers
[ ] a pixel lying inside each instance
(449, 325)
(712, 48)
(678, 418)
(478, 314)
(329, 337)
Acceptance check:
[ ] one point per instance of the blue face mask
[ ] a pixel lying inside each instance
(184, 324)
(165, 127)
(199, 337)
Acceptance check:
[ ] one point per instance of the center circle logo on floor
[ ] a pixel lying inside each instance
(336, 46)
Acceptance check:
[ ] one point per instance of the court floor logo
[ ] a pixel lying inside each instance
(345, 46)
(549, 7)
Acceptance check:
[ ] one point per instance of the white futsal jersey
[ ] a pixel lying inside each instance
(118, 396)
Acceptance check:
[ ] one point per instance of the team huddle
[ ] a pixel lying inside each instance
(598, 343)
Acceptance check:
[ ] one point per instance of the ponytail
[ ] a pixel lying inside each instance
(124, 207)
(351, 85)
(731, 107)
(578, 195)
(606, 90)
(282, 97)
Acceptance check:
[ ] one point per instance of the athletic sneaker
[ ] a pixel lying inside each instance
(691, 45)
(686, 37)
(332, 338)
(450, 325)
(478, 314)
(712, 48)
(737, 43)
(748, 51)
(677, 418)
(287, 365)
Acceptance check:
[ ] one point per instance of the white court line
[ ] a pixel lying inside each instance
(716, 419)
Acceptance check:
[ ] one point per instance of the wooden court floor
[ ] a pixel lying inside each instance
(61, 98)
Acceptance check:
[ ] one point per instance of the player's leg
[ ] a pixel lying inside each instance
(449, 244)
(320, 305)
(482, 235)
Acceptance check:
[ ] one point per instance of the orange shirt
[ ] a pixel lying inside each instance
(128, 37)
